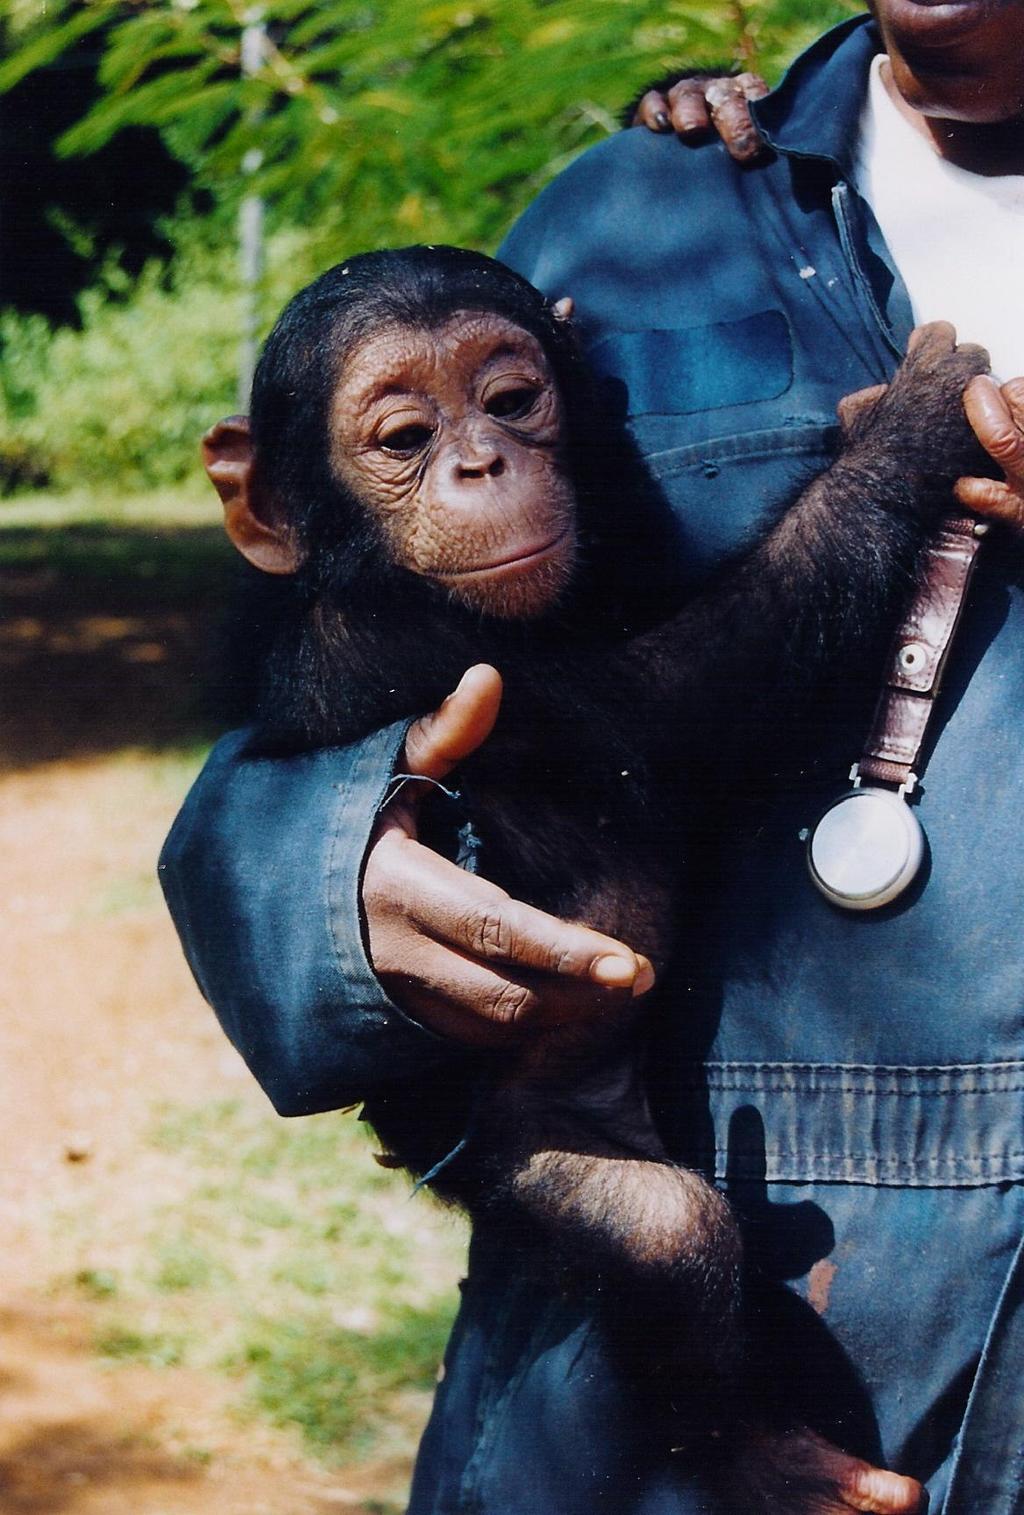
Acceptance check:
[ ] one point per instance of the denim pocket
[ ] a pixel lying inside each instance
(682, 370)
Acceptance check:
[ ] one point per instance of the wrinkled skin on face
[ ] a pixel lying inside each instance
(453, 439)
(961, 62)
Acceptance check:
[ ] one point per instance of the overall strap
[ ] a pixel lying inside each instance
(919, 653)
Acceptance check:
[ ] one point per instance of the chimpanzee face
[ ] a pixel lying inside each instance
(960, 62)
(452, 437)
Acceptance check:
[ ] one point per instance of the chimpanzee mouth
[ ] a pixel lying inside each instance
(519, 561)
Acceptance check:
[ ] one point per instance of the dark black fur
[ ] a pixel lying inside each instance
(573, 792)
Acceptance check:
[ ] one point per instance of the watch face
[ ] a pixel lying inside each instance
(866, 849)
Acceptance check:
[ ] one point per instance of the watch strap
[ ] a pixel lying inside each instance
(919, 652)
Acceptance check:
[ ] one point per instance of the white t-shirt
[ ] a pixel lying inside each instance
(956, 237)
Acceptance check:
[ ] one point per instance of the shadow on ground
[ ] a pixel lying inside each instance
(46, 1471)
(78, 1440)
(110, 638)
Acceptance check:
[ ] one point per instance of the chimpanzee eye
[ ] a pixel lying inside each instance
(510, 404)
(405, 439)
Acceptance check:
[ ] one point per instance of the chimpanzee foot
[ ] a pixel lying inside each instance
(797, 1472)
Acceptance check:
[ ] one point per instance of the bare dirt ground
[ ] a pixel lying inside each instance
(100, 1022)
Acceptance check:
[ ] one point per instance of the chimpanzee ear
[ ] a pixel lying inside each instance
(249, 517)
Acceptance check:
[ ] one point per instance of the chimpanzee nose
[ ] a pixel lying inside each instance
(486, 463)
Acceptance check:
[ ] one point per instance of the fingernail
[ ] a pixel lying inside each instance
(614, 972)
(662, 121)
(644, 980)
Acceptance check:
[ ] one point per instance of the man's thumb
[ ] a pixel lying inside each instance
(437, 742)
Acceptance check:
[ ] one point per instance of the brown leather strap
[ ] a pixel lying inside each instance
(918, 654)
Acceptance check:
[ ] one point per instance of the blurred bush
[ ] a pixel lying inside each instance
(122, 399)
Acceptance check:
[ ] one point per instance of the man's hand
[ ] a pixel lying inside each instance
(694, 106)
(997, 416)
(455, 951)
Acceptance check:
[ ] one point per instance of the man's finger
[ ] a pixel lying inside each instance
(995, 424)
(437, 742)
(730, 112)
(479, 1006)
(1013, 394)
(992, 499)
(470, 914)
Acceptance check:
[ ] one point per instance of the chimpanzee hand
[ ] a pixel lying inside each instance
(456, 951)
(918, 423)
(799, 1473)
(997, 415)
(694, 105)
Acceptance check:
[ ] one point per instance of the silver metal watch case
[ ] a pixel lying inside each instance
(866, 849)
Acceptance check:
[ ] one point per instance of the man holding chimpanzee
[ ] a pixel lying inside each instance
(850, 1076)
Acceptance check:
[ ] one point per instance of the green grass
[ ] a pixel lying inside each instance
(340, 1386)
(121, 1344)
(296, 1265)
(191, 504)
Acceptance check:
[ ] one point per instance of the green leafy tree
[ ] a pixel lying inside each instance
(379, 121)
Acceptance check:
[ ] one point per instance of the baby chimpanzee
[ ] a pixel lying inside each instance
(425, 472)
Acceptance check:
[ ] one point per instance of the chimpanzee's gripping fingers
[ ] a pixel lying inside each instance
(729, 103)
(855, 409)
(693, 107)
(653, 112)
(934, 338)
(879, 1492)
(997, 417)
(920, 424)
(689, 112)
(852, 1483)
(799, 1470)
(933, 348)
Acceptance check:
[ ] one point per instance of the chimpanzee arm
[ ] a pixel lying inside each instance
(820, 592)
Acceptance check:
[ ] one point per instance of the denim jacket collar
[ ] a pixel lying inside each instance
(813, 118)
(815, 111)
